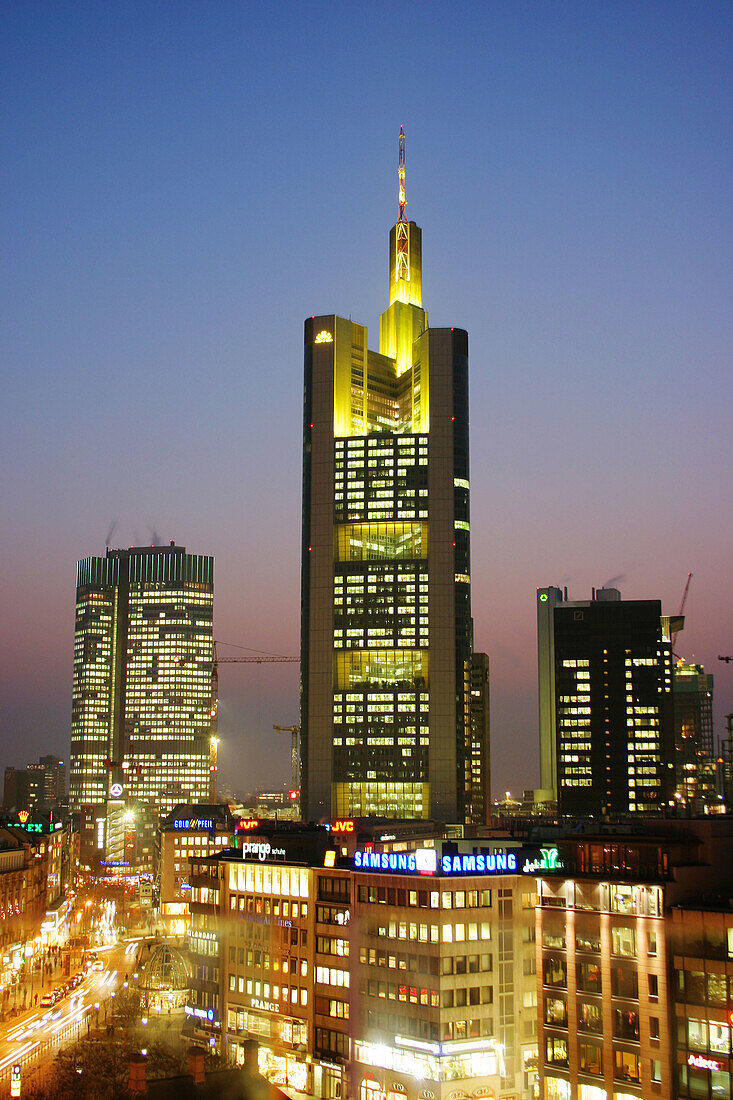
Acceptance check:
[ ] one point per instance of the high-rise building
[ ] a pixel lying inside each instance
(54, 779)
(478, 771)
(605, 698)
(15, 791)
(386, 598)
(693, 736)
(141, 720)
(38, 787)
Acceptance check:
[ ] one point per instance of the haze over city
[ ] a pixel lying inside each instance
(185, 184)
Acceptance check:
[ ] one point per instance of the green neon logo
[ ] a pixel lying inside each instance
(549, 858)
(543, 597)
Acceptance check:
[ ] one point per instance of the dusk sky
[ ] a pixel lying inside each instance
(183, 183)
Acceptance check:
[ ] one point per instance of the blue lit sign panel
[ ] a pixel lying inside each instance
(499, 863)
(206, 823)
(424, 861)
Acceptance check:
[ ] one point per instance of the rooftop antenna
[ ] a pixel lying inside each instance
(403, 233)
(401, 176)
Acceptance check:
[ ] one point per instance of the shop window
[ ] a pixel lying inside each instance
(556, 1088)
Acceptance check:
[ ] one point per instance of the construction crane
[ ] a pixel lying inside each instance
(254, 659)
(674, 633)
(294, 732)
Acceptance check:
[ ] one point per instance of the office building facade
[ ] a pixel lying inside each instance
(632, 974)
(701, 949)
(141, 720)
(386, 605)
(605, 699)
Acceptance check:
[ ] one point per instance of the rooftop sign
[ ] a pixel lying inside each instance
(423, 861)
(498, 863)
(426, 861)
(206, 823)
(262, 850)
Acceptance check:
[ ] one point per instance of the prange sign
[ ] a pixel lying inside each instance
(262, 850)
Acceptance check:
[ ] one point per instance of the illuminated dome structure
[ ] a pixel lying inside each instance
(164, 981)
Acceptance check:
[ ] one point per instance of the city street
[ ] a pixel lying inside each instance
(33, 1039)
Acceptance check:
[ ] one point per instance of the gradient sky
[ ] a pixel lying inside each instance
(183, 183)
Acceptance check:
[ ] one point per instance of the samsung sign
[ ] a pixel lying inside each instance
(473, 864)
(423, 861)
(426, 861)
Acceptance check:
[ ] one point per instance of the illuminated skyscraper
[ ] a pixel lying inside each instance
(386, 599)
(141, 705)
(693, 735)
(605, 695)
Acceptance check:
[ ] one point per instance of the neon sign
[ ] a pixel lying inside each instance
(247, 823)
(549, 861)
(262, 849)
(423, 861)
(116, 790)
(343, 827)
(478, 864)
(700, 1062)
(193, 823)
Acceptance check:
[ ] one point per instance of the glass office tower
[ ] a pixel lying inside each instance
(141, 706)
(386, 604)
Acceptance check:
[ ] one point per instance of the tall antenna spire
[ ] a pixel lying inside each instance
(401, 176)
(402, 266)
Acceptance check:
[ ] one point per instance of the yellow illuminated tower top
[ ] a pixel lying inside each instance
(405, 319)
